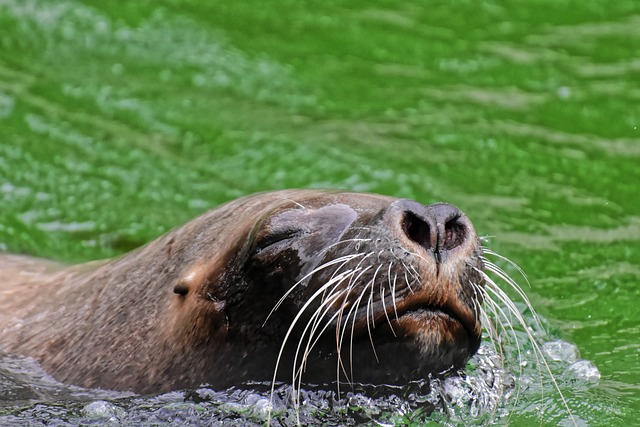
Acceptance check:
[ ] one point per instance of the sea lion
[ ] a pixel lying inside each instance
(362, 287)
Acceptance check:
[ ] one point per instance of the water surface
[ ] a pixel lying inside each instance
(120, 122)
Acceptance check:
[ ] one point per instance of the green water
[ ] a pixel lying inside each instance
(121, 120)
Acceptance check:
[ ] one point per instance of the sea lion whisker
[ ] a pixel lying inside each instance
(502, 320)
(337, 271)
(340, 330)
(406, 279)
(369, 308)
(476, 300)
(329, 300)
(540, 359)
(300, 313)
(301, 206)
(503, 298)
(500, 271)
(352, 283)
(393, 295)
(488, 251)
(371, 324)
(491, 323)
(414, 274)
(333, 245)
(349, 375)
(417, 255)
(490, 328)
(370, 312)
(295, 394)
(504, 276)
(372, 283)
(491, 266)
(495, 340)
(345, 258)
(384, 308)
(311, 331)
(478, 290)
(355, 269)
(363, 260)
(353, 327)
(318, 315)
(339, 338)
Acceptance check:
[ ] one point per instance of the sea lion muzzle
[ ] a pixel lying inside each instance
(401, 278)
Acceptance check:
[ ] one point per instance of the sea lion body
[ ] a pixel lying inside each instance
(389, 285)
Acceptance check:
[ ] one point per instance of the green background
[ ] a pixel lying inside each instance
(120, 120)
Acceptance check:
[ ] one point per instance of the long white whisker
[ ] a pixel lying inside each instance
(504, 299)
(507, 260)
(320, 313)
(315, 295)
(370, 312)
(384, 307)
(500, 273)
(344, 259)
(393, 296)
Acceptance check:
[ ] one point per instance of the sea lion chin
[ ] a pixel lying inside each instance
(328, 285)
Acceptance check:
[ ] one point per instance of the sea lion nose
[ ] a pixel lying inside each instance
(439, 227)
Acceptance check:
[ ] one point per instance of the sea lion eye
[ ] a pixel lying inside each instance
(272, 238)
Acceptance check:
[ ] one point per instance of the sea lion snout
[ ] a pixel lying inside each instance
(438, 229)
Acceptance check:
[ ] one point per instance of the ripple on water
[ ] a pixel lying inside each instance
(179, 44)
(7, 102)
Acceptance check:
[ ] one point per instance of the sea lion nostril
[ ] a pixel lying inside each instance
(417, 230)
(438, 227)
(454, 234)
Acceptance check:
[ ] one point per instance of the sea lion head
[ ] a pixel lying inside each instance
(390, 286)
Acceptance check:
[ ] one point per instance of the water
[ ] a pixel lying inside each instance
(486, 393)
(118, 123)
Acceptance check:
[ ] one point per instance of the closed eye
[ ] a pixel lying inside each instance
(273, 238)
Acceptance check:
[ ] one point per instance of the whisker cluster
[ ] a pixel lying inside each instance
(499, 308)
(357, 283)
(353, 287)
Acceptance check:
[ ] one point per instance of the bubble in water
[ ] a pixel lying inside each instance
(584, 370)
(117, 69)
(560, 351)
(564, 92)
(104, 411)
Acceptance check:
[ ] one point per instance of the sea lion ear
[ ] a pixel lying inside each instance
(202, 280)
(206, 315)
(189, 281)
